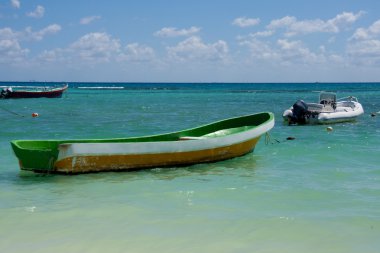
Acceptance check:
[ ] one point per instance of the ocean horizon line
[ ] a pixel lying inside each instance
(171, 82)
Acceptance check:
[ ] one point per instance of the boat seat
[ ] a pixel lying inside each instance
(186, 138)
(219, 133)
(314, 107)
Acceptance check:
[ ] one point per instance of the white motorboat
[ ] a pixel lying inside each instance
(328, 110)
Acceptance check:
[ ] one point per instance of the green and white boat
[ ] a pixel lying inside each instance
(213, 142)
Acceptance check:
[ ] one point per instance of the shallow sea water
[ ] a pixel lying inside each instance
(317, 193)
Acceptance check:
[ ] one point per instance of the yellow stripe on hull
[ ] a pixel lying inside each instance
(114, 162)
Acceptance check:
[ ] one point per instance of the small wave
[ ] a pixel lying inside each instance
(102, 88)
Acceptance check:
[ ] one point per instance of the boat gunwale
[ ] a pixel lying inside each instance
(139, 138)
(49, 152)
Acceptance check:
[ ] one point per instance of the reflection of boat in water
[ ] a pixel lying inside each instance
(328, 110)
(209, 143)
(33, 91)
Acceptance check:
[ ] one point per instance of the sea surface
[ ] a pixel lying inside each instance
(318, 193)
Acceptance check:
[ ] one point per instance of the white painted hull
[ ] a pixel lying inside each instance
(89, 157)
(341, 114)
(345, 111)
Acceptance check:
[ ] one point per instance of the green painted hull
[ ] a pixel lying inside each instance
(41, 155)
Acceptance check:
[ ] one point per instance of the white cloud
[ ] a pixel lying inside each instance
(295, 27)
(16, 4)
(51, 29)
(11, 51)
(364, 46)
(10, 48)
(284, 52)
(55, 55)
(245, 22)
(95, 47)
(369, 33)
(88, 20)
(98, 48)
(28, 33)
(366, 52)
(7, 33)
(194, 49)
(361, 34)
(296, 52)
(368, 48)
(345, 18)
(174, 32)
(283, 22)
(136, 52)
(260, 49)
(262, 34)
(37, 13)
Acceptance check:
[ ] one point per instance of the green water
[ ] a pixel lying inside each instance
(317, 193)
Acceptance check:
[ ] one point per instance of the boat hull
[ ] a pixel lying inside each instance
(209, 143)
(342, 113)
(49, 93)
(81, 163)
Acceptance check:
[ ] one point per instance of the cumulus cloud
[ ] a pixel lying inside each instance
(39, 35)
(364, 46)
(282, 22)
(11, 51)
(174, 32)
(294, 27)
(245, 22)
(88, 20)
(10, 48)
(260, 49)
(367, 33)
(28, 33)
(95, 47)
(364, 53)
(37, 13)
(368, 48)
(284, 52)
(295, 51)
(16, 4)
(193, 48)
(7, 33)
(136, 52)
(55, 55)
(262, 34)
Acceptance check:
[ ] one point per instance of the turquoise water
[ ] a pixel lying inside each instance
(317, 193)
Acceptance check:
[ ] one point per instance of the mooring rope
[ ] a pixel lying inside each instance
(268, 139)
(12, 112)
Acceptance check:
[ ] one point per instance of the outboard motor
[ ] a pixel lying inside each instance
(300, 113)
(3, 93)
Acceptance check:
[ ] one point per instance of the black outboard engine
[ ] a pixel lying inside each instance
(3, 93)
(300, 112)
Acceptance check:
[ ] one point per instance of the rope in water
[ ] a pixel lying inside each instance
(268, 139)
(12, 112)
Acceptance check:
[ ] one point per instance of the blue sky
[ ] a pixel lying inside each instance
(190, 41)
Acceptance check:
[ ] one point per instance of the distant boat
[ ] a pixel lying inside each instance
(328, 110)
(213, 142)
(32, 91)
